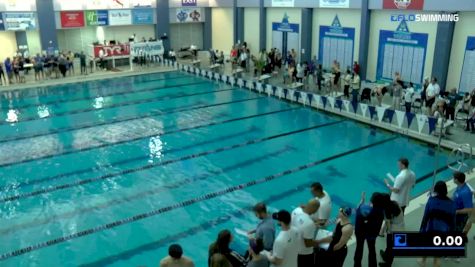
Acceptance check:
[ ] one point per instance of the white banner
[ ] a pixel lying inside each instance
(400, 117)
(188, 14)
(335, 3)
(19, 21)
(331, 101)
(421, 121)
(148, 48)
(364, 108)
(317, 100)
(346, 103)
(120, 17)
(283, 3)
(380, 111)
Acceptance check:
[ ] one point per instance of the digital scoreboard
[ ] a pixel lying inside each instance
(415, 244)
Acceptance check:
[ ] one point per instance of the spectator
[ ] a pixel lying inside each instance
(397, 92)
(70, 58)
(21, 70)
(338, 250)
(2, 75)
(175, 258)
(394, 221)
(432, 92)
(355, 85)
(300, 73)
(452, 99)
(346, 84)
(9, 69)
(471, 122)
(466, 103)
(257, 260)
(463, 201)
(265, 230)
(172, 55)
(16, 69)
(319, 76)
(63, 65)
(219, 260)
(243, 60)
(403, 184)
(337, 73)
(324, 211)
(221, 246)
(287, 242)
(369, 219)
(439, 215)
(82, 61)
(38, 66)
(424, 90)
(408, 94)
(356, 68)
(302, 221)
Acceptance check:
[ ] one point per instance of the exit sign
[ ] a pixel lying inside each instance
(188, 2)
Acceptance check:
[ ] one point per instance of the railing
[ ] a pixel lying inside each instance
(462, 154)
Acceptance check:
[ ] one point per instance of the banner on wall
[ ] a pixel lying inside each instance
(285, 36)
(112, 50)
(188, 15)
(2, 25)
(401, 51)
(283, 3)
(19, 21)
(120, 17)
(20, 5)
(467, 79)
(336, 43)
(142, 16)
(148, 48)
(188, 2)
(403, 4)
(141, 3)
(335, 3)
(72, 19)
(97, 18)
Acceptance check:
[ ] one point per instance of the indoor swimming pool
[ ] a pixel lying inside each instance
(111, 172)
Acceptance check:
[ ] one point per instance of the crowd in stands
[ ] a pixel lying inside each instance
(301, 238)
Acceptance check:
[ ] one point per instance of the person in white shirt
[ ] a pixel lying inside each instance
(302, 221)
(355, 85)
(403, 184)
(243, 59)
(286, 245)
(323, 213)
(409, 92)
(433, 90)
(346, 84)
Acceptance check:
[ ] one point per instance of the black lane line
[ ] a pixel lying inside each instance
(113, 121)
(143, 194)
(159, 164)
(125, 161)
(439, 170)
(182, 204)
(56, 87)
(84, 110)
(59, 101)
(136, 138)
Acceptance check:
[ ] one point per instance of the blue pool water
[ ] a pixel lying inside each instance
(110, 172)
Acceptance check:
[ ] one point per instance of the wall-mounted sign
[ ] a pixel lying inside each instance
(112, 50)
(141, 3)
(467, 79)
(19, 21)
(72, 19)
(119, 4)
(336, 43)
(188, 14)
(335, 3)
(120, 17)
(403, 4)
(142, 16)
(20, 5)
(188, 2)
(97, 18)
(148, 48)
(2, 26)
(283, 3)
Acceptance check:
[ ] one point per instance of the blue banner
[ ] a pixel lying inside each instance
(432, 123)
(336, 43)
(372, 111)
(339, 103)
(324, 101)
(410, 116)
(142, 16)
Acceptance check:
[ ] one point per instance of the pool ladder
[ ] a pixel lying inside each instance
(462, 154)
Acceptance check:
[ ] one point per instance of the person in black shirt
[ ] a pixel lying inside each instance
(82, 61)
(221, 246)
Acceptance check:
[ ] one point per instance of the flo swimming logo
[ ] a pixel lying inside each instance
(426, 17)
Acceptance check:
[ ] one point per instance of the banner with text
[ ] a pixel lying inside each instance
(335, 3)
(72, 19)
(142, 16)
(112, 50)
(188, 2)
(97, 18)
(403, 4)
(19, 21)
(148, 48)
(283, 3)
(188, 15)
(120, 17)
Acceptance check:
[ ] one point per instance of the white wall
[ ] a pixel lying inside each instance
(350, 18)
(79, 39)
(463, 28)
(8, 41)
(251, 29)
(222, 29)
(275, 14)
(34, 44)
(380, 20)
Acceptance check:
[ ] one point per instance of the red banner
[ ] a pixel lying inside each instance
(72, 19)
(112, 50)
(403, 4)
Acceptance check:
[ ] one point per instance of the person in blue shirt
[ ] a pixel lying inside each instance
(9, 69)
(463, 201)
(439, 215)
